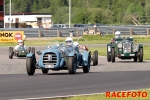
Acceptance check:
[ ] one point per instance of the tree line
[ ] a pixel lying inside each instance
(87, 11)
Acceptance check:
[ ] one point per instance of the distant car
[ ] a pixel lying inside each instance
(20, 52)
(61, 25)
(29, 26)
(124, 48)
(78, 25)
(59, 57)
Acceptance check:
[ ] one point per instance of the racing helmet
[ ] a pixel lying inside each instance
(69, 41)
(117, 34)
(75, 44)
(20, 42)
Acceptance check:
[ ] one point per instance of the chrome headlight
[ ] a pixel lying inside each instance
(120, 50)
(135, 47)
(119, 45)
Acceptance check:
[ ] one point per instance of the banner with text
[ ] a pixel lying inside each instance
(11, 36)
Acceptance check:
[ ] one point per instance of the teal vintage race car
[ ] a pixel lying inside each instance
(58, 56)
(124, 48)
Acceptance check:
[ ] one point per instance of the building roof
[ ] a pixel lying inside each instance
(29, 13)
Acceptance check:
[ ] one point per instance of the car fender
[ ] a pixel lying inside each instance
(62, 62)
(85, 56)
(29, 55)
(109, 47)
(140, 45)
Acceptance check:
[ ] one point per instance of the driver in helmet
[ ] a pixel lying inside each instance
(117, 35)
(20, 43)
(69, 41)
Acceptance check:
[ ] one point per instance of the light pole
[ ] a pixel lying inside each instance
(4, 12)
(69, 13)
(10, 14)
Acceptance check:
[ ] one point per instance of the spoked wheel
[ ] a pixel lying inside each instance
(72, 64)
(86, 69)
(44, 71)
(30, 65)
(141, 55)
(11, 52)
(113, 54)
(94, 58)
(33, 50)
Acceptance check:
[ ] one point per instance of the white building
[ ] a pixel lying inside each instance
(34, 19)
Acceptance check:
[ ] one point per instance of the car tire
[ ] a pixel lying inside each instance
(72, 64)
(108, 55)
(141, 55)
(30, 65)
(11, 52)
(44, 71)
(33, 50)
(135, 59)
(86, 69)
(113, 54)
(94, 58)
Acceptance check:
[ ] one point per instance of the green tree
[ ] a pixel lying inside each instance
(147, 10)
(130, 10)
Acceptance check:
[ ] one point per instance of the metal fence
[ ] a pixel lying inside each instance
(64, 32)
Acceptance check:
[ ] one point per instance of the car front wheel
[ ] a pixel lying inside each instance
(30, 65)
(141, 55)
(113, 54)
(72, 64)
(11, 52)
(86, 69)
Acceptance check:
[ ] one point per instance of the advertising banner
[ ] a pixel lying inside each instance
(11, 36)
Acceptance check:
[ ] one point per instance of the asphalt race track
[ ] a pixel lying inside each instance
(121, 75)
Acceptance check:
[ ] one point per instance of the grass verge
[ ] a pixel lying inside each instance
(103, 97)
(91, 39)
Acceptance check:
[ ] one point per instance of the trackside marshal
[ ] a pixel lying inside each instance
(11, 36)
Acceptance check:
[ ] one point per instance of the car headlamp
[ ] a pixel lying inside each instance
(135, 47)
(120, 50)
(119, 45)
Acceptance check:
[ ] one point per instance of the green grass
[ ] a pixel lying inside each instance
(102, 51)
(91, 39)
(102, 97)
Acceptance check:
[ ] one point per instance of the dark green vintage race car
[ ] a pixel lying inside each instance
(124, 48)
(20, 52)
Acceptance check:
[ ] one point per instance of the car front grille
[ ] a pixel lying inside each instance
(127, 47)
(49, 58)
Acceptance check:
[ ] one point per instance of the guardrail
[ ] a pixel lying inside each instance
(78, 31)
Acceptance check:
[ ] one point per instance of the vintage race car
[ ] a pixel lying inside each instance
(94, 57)
(124, 48)
(59, 57)
(20, 52)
